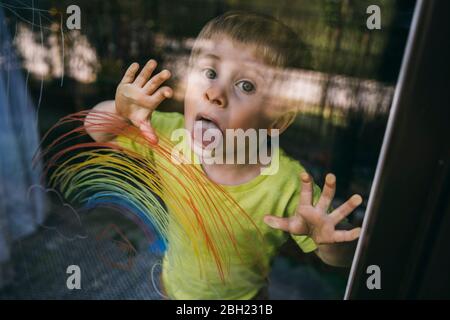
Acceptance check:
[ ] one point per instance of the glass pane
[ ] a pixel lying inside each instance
(57, 60)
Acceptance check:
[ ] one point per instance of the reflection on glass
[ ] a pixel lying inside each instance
(341, 94)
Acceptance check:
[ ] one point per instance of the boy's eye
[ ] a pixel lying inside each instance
(210, 73)
(246, 86)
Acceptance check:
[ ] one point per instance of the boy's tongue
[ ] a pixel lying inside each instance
(200, 127)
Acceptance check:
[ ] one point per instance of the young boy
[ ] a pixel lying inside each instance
(234, 68)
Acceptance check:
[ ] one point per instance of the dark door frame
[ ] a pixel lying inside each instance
(406, 231)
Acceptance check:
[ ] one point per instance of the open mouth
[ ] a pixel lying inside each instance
(208, 120)
(202, 124)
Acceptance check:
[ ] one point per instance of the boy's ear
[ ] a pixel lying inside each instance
(283, 122)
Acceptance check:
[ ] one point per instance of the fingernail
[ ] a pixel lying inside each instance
(357, 199)
(304, 176)
(330, 179)
(154, 140)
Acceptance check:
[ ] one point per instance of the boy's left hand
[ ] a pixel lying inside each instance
(314, 221)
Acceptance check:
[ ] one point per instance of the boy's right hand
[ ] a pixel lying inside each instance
(137, 97)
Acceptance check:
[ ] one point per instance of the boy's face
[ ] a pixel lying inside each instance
(227, 89)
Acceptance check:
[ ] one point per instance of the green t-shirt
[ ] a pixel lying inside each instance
(276, 194)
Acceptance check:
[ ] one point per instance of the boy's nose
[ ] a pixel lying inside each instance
(216, 96)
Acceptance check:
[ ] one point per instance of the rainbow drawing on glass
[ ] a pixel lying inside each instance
(147, 184)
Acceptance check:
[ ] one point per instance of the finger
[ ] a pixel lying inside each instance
(148, 132)
(328, 192)
(130, 73)
(156, 81)
(346, 208)
(145, 73)
(277, 222)
(155, 99)
(347, 235)
(306, 192)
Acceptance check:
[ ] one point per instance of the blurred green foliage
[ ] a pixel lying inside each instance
(335, 30)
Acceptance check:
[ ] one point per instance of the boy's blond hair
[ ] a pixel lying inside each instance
(277, 44)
